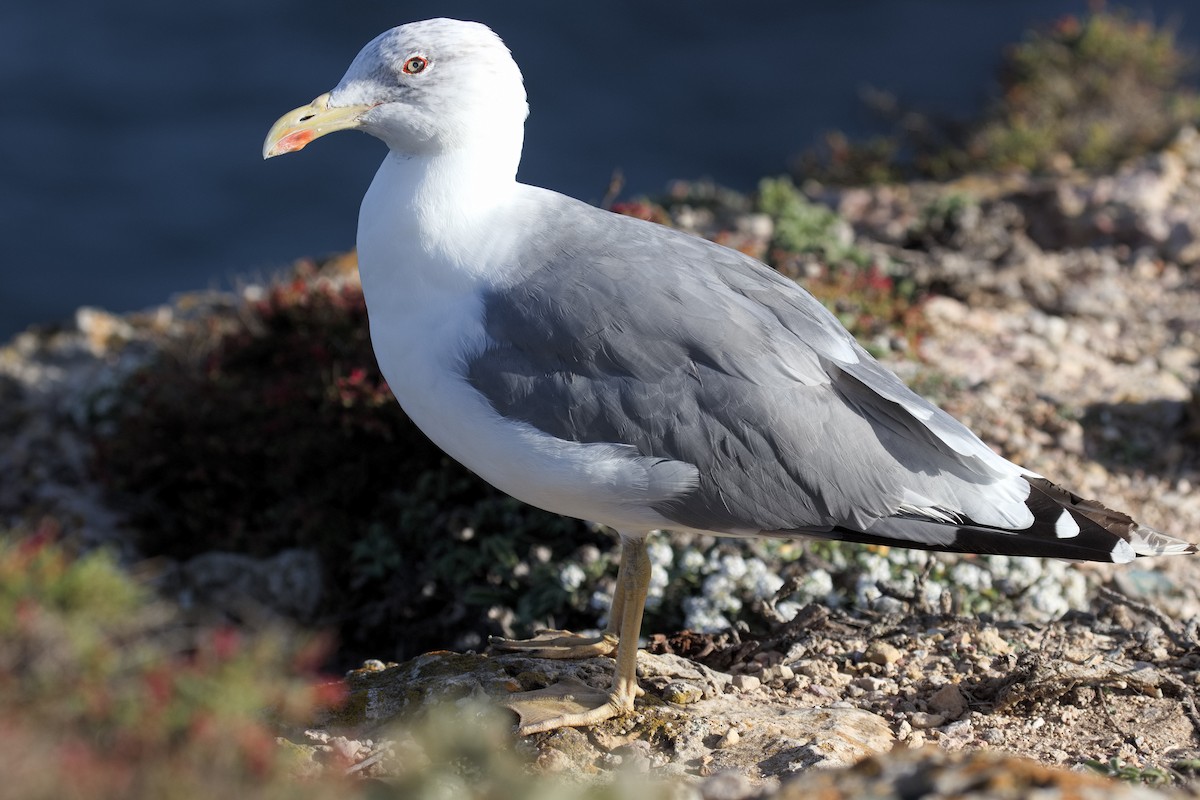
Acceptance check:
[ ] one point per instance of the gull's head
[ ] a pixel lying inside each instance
(424, 88)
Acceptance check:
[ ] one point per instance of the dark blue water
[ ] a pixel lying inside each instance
(130, 133)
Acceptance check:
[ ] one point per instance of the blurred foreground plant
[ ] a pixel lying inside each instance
(106, 693)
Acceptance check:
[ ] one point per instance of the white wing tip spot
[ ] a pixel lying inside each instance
(1065, 527)
(1123, 552)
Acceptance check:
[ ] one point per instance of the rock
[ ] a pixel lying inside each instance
(923, 720)
(989, 641)
(746, 683)
(948, 702)
(730, 738)
(969, 774)
(823, 738)
(756, 734)
(817, 668)
(681, 693)
(1183, 241)
(957, 735)
(666, 666)
(567, 749)
(635, 756)
(882, 653)
(777, 672)
(728, 785)
(694, 739)
(553, 761)
(288, 583)
(870, 684)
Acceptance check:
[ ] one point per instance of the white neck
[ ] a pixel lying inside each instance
(439, 210)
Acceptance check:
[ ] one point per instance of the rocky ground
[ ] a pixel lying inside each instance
(960, 701)
(1065, 330)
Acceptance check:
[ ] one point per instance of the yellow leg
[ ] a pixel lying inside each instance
(574, 704)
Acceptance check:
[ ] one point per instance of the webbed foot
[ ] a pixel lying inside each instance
(558, 644)
(567, 704)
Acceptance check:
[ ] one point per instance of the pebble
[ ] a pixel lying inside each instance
(922, 719)
(992, 736)
(948, 702)
(682, 693)
(778, 672)
(730, 738)
(746, 683)
(989, 641)
(882, 653)
(870, 684)
(727, 785)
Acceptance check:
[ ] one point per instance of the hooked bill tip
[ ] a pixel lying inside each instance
(296, 140)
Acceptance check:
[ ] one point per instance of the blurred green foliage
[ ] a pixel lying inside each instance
(1098, 89)
(1088, 91)
(802, 226)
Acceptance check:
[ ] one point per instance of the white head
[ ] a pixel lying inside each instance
(425, 88)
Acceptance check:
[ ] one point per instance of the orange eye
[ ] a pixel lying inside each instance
(414, 65)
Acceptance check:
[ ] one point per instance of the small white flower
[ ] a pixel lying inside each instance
(658, 584)
(816, 585)
(734, 566)
(933, 593)
(970, 577)
(761, 581)
(571, 576)
(866, 592)
(701, 616)
(719, 590)
(660, 553)
(692, 560)
(788, 610)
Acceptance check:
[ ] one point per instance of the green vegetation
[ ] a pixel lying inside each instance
(1116, 768)
(108, 694)
(805, 227)
(944, 217)
(1090, 91)
(1098, 89)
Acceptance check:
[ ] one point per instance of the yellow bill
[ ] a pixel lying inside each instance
(301, 125)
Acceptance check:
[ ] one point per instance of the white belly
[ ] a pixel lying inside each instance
(420, 352)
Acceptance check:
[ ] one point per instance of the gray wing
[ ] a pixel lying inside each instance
(628, 332)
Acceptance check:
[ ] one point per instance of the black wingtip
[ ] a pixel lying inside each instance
(1064, 526)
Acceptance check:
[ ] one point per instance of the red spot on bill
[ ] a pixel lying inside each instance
(293, 141)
